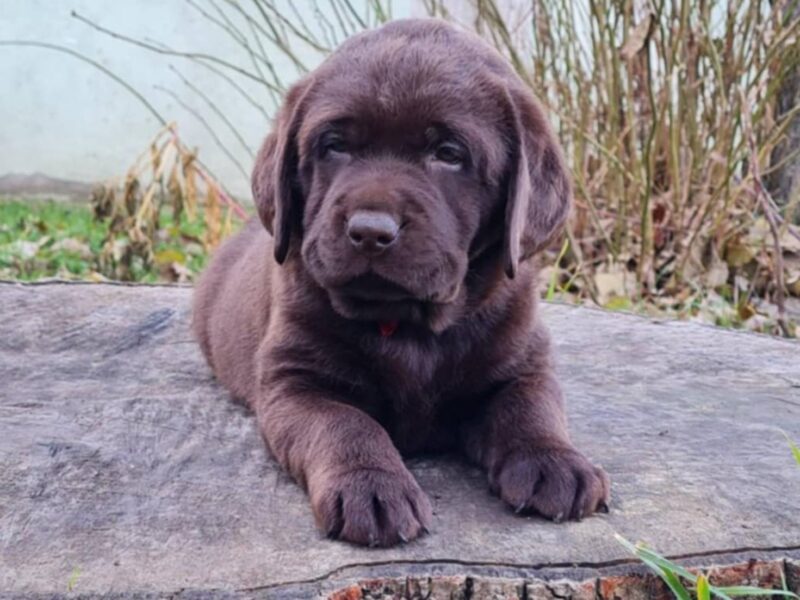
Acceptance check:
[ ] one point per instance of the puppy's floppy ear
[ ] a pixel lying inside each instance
(539, 186)
(274, 179)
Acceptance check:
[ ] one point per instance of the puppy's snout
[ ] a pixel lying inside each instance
(371, 232)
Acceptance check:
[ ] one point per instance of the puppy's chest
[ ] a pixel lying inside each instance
(417, 394)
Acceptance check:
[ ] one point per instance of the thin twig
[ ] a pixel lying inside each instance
(207, 127)
(95, 64)
(162, 50)
(217, 111)
(235, 85)
(766, 206)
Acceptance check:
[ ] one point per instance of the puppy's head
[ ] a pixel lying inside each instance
(411, 153)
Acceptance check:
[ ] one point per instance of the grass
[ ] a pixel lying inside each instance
(33, 240)
(793, 447)
(683, 582)
(47, 239)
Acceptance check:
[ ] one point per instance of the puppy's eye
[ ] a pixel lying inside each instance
(450, 153)
(333, 142)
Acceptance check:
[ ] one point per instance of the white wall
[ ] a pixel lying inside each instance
(65, 118)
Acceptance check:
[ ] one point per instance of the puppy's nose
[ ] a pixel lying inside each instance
(372, 231)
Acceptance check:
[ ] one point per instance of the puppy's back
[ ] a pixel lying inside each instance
(231, 304)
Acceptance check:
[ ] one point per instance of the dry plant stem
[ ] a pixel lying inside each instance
(200, 168)
(224, 196)
(276, 38)
(224, 23)
(160, 50)
(95, 64)
(255, 104)
(232, 204)
(780, 294)
(175, 140)
(345, 24)
(767, 204)
(308, 36)
(217, 111)
(305, 35)
(361, 23)
(207, 127)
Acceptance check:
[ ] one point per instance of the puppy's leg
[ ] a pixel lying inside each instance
(360, 490)
(521, 440)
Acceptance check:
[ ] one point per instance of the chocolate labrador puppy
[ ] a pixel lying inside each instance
(387, 306)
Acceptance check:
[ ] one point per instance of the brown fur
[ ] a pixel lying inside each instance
(289, 315)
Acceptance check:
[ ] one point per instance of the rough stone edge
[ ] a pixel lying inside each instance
(597, 309)
(56, 281)
(625, 581)
(640, 585)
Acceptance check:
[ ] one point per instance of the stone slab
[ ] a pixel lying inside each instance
(125, 471)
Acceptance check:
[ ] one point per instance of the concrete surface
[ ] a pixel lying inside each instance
(125, 471)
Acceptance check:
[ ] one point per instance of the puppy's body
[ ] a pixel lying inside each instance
(408, 181)
(418, 386)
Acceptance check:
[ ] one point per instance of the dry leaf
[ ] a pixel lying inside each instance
(168, 256)
(613, 281)
(175, 193)
(746, 310)
(637, 38)
(737, 253)
(187, 163)
(212, 217)
(73, 246)
(793, 286)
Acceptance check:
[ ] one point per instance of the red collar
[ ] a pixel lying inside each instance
(387, 328)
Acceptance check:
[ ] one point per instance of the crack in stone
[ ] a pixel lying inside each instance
(469, 582)
(554, 593)
(725, 553)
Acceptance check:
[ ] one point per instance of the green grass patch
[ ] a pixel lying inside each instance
(46, 239)
(682, 582)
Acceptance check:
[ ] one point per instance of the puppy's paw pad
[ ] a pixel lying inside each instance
(558, 484)
(372, 507)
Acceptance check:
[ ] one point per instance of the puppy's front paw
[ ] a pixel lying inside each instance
(555, 483)
(372, 507)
